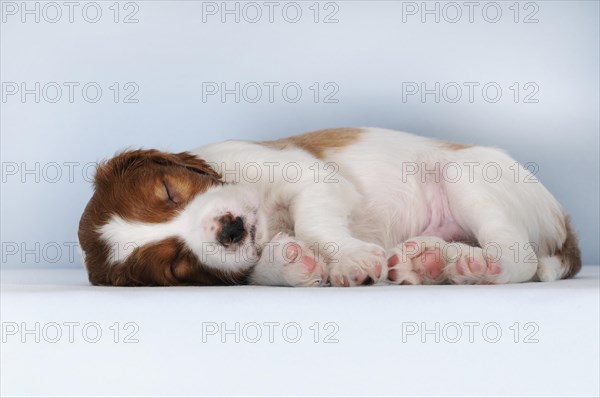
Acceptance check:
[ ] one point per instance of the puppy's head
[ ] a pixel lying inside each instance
(161, 218)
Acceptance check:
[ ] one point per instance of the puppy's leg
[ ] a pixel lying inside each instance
(503, 245)
(503, 240)
(322, 213)
(470, 265)
(286, 261)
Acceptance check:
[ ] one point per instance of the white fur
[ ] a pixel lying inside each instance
(549, 269)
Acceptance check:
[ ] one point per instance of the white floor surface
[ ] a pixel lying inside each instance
(63, 337)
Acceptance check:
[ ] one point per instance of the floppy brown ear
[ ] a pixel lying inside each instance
(127, 161)
(196, 164)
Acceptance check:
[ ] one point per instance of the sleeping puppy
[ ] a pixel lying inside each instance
(345, 207)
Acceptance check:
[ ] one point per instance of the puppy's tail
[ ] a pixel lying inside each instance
(565, 262)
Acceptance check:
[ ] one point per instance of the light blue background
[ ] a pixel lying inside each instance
(367, 54)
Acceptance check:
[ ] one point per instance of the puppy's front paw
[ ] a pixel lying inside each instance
(286, 261)
(363, 264)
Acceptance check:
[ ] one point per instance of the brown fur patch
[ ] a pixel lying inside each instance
(319, 142)
(453, 146)
(569, 253)
(167, 263)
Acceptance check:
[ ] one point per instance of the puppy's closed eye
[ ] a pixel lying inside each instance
(171, 193)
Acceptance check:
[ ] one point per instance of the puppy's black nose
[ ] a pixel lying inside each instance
(232, 230)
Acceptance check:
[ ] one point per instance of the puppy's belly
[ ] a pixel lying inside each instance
(441, 222)
(448, 231)
(395, 216)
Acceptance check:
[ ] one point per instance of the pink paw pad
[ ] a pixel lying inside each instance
(474, 265)
(476, 269)
(471, 265)
(493, 267)
(417, 263)
(432, 262)
(309, 263)
(392, 273)
(292, 251)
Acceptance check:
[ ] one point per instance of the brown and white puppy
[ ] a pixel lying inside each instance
(344, 206)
